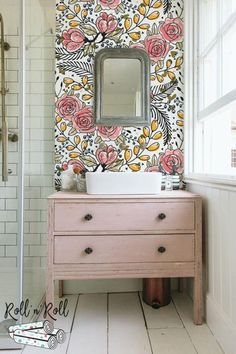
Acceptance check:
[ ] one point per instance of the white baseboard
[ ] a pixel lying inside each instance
(221, 326)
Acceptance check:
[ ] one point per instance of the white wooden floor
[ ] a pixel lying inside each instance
(120, 323)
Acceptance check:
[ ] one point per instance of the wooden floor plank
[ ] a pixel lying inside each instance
(171, 341)
(89, 333)
(126, 326)
(201, 336)
(164, 317)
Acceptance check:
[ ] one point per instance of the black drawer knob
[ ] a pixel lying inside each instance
(88, 217)
(162, 216)
(88, 250)
(161, 249)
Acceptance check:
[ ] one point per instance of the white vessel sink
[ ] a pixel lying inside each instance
(123, 183)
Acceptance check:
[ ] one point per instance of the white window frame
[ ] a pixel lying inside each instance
(191, 103)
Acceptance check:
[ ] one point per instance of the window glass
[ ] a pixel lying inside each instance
(208, 79)
(207, 22)
(228, 59)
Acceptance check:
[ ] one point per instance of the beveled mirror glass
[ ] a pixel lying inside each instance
(122, 87)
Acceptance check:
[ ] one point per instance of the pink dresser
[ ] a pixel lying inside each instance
(125, 236)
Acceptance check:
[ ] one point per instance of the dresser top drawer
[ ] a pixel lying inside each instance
(79, 217)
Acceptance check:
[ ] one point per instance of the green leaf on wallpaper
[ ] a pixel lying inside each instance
(173, 53)
(98, 140)
(154, 29)
(98, 8)
(117, 32)
(115, 166)
(72, 2)
(88, 160)
(160, 63)
(72, 131)
(121, 8)
(58, 157)
(89, 30)
(179, 45)
(154, 160)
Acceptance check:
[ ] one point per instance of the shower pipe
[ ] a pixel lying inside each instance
(3, 91)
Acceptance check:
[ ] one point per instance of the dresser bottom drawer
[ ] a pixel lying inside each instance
(123, 249)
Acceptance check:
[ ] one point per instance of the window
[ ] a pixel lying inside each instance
(214, 89)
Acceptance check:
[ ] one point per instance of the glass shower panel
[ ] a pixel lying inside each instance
(39, 141)
(9, 191)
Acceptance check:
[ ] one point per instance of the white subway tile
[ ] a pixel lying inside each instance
(2, 204)
(41, 181)
(2, 229)
(11, 227)
(33, 76)
(11, 204)
(26, 227)
(38, 251)
(38, 204)
(12, 53)
(34, 53)
(11, 76)
(45, 192)
(12, 64)
(38, 227)
(7, 262)
(14, 41)
(12, 111)
(43, 262)
(31, 262)
(11, 99)
(2, 251)
(9, 239)
(32, 192)
(11, 251)
(32, 215)
(43, 239)
(7, 215)
(32, 239)
(13, 87)
(8, 192)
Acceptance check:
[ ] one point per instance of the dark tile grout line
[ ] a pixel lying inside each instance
(72, 324)
(145, 321)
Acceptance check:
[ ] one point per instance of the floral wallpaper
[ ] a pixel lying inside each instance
(85, 27)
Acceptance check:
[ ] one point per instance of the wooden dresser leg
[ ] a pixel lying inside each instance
(197, 300)
(49, 295)
(60, 288)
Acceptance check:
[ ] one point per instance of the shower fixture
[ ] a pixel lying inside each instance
(3, 92)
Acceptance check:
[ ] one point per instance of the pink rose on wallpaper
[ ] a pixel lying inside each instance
(172, 29)
(83, 120)
(109, 133)
(73, 39)
(137, 46)
(106, 155)
(106, 23)
(152, 169)
(111, 4)
(156, 46)
(67, 106)
(172, 161)
(74, 163)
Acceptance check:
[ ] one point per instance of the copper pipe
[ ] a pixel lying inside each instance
(3, 94)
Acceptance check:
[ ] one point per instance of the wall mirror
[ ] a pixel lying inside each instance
(122, 87)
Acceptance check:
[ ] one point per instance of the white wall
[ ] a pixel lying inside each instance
(220, 262)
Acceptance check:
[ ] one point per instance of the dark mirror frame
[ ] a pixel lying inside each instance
(116, 53)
